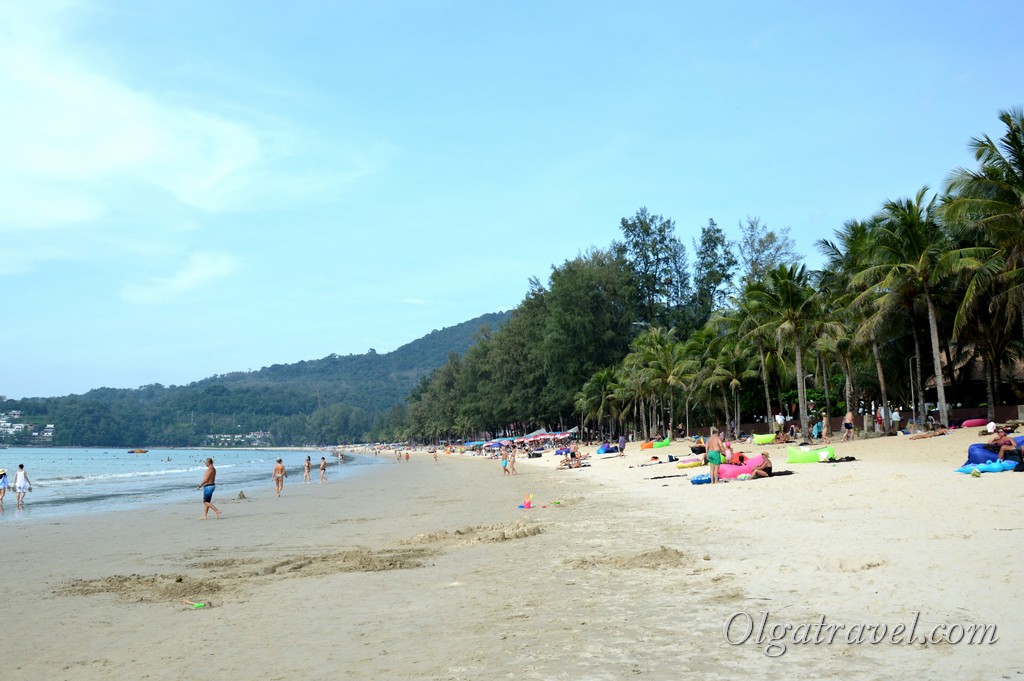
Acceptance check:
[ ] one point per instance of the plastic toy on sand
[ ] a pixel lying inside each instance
(528, 503)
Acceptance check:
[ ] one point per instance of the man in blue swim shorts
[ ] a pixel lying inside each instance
(208, 485)
(715, 448)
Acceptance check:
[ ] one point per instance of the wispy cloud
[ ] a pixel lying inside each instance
(200, 270)
(86, 151)
(72, 133)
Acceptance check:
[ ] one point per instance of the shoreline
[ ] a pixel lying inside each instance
(424, 571)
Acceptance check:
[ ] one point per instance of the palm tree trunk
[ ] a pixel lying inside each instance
(687, 412)
(767, 392)
(801, 389)
(671, 415)
(725, 403)
(915, 374)
(990, 391)
(736, 398)
(881, 384)
(940, 388)
(643, 418)
(828, 390)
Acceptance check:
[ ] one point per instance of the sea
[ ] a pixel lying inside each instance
(71, 481)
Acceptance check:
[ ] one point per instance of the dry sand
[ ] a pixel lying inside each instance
(423, 571)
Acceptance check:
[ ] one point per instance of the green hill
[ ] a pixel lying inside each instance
(320, 401)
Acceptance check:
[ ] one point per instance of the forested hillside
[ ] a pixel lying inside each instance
(321, 401)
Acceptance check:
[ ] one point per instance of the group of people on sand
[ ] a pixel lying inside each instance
(280, 473)
(574, 457)
(508, 461)
(21, 485)
(719, 452)
(209, 482)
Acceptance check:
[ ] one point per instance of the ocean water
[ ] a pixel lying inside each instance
(68, 481)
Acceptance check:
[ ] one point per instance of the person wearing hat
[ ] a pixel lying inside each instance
(3, 484)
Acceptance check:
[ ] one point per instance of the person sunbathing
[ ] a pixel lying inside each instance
(931, 433)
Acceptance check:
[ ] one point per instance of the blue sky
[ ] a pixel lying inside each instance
(191, 188)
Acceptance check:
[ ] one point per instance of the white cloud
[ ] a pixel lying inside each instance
(200, 270)
(72, 133)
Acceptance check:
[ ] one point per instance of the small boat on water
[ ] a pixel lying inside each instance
(137, 451)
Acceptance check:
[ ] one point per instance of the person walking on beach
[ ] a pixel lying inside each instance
(279, 475)
(21, 485)
(715, 449)
(208, 485)
(848, 433)
(622, 444)
(323, 470)
(3, 485)
(512, 462)
(305, 475)
(504, 463)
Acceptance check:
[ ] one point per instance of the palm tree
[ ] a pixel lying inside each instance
(912, 251)
(789, 307)
(596, 399)
(664, 358)
(985, 207)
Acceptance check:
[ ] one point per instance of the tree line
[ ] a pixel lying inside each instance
(911, 305)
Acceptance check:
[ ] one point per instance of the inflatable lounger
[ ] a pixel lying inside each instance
(663, 443)
(609, 449)
(808, 455)
(972, 423)
(690, 462)
(729, 470)
(646, 445)
(764, 438)
(980, 453)
(988, 467)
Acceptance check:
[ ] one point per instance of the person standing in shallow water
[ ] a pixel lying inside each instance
(208, 485)
(21, 485)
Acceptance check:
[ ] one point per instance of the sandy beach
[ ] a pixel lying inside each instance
(431, 571)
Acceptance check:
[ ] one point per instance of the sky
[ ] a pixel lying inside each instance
(189, 188)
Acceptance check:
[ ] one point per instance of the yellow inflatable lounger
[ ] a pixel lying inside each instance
(809, 455)
(764, 438)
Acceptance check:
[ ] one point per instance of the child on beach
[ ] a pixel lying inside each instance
(715, 449)
(3, 484)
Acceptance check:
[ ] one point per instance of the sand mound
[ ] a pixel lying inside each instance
(663, 557)
(355, 560)
(144, 589)
(478, 534)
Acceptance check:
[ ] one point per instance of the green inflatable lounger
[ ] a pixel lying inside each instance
(663, 443)
(764, 438)
(809, 455)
